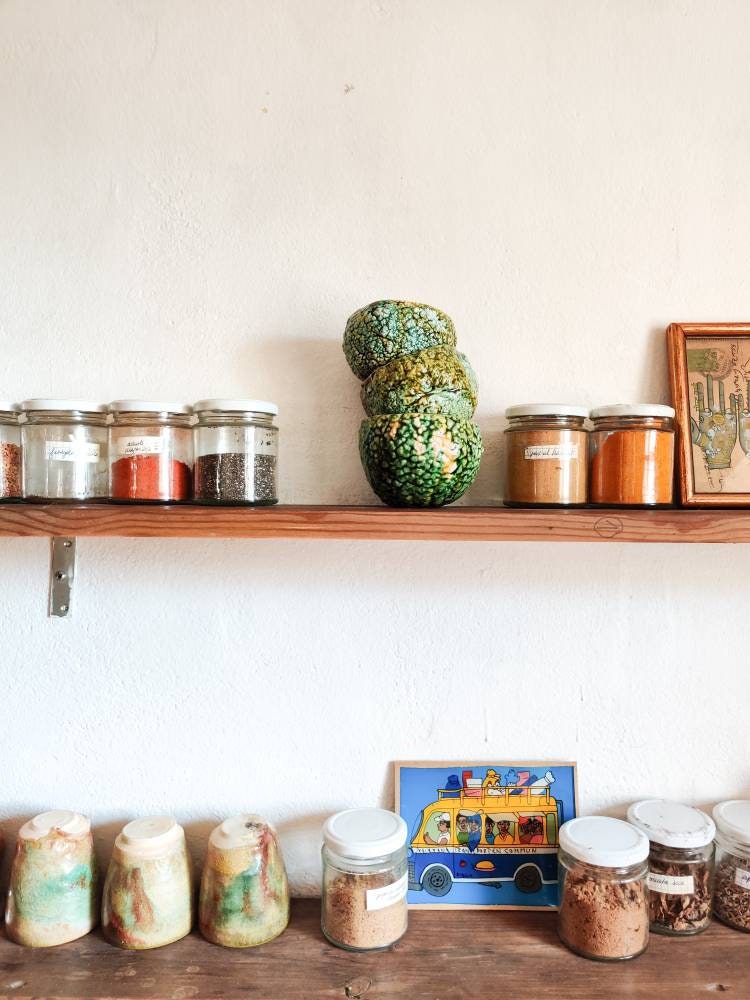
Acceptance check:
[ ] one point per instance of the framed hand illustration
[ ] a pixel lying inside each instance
(484, 834)
(710, 376)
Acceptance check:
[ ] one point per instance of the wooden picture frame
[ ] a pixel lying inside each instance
(712, 405)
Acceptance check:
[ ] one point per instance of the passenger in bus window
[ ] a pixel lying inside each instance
(503, 831)
(475, 832)
(443, 829)
(489, 830)
(462, 824)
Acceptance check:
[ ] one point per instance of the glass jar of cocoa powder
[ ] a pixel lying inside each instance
(732, 882)
(602, 885)
(680, 868)
(364, 879)
(546, 459)
(10, 452)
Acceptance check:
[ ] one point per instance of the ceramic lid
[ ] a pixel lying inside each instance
(150, 836)
(633, 410)
(546, 410)
(238, 831)
(672, 823)
(364, 834)
(66, 405)
(148, 406)
(733, 819)
(236, 406)
(603, 841)
(62, 820)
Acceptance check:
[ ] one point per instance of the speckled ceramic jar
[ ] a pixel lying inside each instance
(244, 898)
(147, 898)
(52, 893)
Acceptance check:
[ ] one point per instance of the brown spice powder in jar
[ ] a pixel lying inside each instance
(10, 471)
(348, 922)
(602, 919)
(731, 899)
(546, 456)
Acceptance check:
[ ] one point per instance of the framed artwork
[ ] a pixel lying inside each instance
(484, 834)
(710, 374)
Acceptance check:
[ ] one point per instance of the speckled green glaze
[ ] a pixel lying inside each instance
(419, 459)
(52, 895)
(244, 897)
(436, 380)
(390, 328)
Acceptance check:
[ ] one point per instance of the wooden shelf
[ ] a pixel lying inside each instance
(468, 524)
(456, 954)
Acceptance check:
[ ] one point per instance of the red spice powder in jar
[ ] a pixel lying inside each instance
(150, 477)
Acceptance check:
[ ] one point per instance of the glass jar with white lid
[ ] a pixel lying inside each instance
(602, 886)
(151, 451)
(10, 452)
(732, 880)
(365, 880)
(680, 871)
(64, 450)
(236, 452)
(546, 456)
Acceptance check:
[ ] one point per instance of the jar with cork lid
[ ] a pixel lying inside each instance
(546, 460)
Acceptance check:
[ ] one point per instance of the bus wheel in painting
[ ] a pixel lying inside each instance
(437, 881)
(528, 879)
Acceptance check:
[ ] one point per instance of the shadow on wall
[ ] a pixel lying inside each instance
(654, 387)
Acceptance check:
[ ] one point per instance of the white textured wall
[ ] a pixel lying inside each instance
(194, 197)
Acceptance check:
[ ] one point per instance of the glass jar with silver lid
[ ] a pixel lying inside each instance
(236, 452)
(64, 450)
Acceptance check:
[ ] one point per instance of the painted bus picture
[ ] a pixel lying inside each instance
(484, 835)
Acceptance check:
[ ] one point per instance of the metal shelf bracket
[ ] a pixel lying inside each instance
(61, 574)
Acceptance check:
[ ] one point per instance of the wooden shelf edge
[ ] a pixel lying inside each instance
(474, 524)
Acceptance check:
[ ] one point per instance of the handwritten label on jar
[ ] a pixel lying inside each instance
(142, 445)
(72, 451)
(567, 452)
(671, 885)
(742, 878)
(265, 442)
(378, 899)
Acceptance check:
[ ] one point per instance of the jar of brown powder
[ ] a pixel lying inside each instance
(546, 456)
(732, 886)
(364, 879)
(632, 455)
(602, 883)
(680, 864)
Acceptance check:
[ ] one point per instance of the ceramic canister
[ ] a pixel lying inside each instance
(53, 881)
(148, 899)
(244, 898)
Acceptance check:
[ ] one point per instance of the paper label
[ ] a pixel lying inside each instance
(671, 885)
(141, 445)
(72, 451)
(742, 878)
(265, 442)
(566, 452)
(378, 899)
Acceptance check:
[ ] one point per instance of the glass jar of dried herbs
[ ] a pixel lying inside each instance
(680, 866)
(732, 888)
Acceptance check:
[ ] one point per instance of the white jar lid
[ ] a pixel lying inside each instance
(546, 410)
(603, 841)
(633, 410)
(672, 824)
(150, 836)
(238, 831)
(63, 820)
(6, 407)
(66, 405)
(237, 406)
(148, 406)
(364, 834)
(733, 819)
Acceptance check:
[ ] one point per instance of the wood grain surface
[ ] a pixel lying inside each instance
(444, 956)
(478, 524)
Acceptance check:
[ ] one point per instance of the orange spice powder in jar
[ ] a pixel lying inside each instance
(546, 456)
(632, 455)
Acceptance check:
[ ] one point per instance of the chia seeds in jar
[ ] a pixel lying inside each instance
(680, 870)
(732, 883)
(64, 450)
(236, 452)
(10, 452)
(365, 880)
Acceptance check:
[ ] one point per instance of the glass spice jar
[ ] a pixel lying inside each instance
(10, 452)
(236, 452)
(546, 456)
(602, 885)
(364, 879)
(64, 446)
(151, 451)
(632, 455)
(680, 870)
(732, 882)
